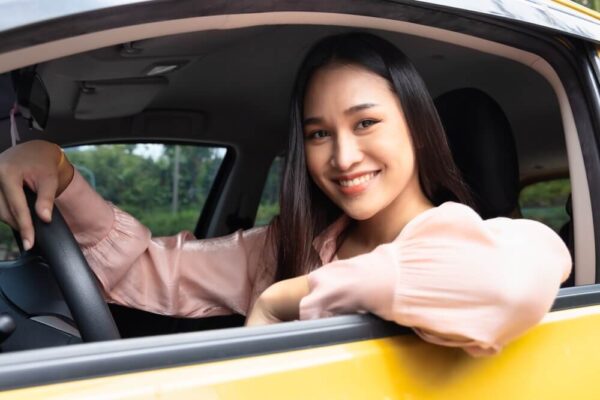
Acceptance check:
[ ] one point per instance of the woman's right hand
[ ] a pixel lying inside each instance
(39, 165)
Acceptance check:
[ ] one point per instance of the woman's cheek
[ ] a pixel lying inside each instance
(316, 161)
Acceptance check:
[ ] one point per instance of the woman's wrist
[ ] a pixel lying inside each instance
(65, 172)
(283, 298)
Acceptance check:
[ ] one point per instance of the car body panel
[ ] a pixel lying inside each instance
(545, 363)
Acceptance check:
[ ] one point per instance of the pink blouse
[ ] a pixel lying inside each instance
(456, 279)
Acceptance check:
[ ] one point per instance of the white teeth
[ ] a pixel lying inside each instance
(358, 181)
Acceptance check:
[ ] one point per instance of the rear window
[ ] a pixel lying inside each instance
(269, 201)
(546, 202)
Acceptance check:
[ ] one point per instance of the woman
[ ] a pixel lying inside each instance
(365, 224)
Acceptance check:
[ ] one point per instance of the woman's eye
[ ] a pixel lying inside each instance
(318, 134)
(365, 123)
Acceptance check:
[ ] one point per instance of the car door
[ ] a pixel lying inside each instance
(355, 356)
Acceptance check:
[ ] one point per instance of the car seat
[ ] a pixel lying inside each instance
(483, 147)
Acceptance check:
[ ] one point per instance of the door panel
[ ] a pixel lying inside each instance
(556, 359)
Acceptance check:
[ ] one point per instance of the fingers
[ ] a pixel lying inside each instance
(17, 207)
(46, 192)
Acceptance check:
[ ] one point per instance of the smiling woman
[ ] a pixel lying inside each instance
(356, 101)
(358, 147)
(365, 224)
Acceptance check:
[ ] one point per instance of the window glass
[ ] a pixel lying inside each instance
(8, 244)
(545, 202)
(164, 186)
(269, 201)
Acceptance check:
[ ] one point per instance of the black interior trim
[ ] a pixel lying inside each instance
(202, 229)
(116, 357)
(137, 323)
(577, 296)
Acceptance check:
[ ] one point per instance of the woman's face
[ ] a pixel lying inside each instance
(357, 144)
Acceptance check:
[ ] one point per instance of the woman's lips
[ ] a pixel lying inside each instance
(353, 185)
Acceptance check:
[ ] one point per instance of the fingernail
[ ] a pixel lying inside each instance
(26, 244)
(46, 214)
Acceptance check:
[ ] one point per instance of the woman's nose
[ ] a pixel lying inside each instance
(346, 152)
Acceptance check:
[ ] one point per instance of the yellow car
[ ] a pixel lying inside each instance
(134, 90)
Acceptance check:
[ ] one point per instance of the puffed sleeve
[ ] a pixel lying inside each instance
(176, 275)
(456, 279)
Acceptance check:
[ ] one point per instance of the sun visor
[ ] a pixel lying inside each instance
(116, 98)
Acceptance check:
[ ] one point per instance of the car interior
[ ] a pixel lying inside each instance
(231, 88)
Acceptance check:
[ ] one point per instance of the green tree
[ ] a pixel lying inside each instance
(122, 177)
(198, 167)
(545, 202)
(143, 185)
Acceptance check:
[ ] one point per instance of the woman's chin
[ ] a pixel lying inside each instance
(360, 214)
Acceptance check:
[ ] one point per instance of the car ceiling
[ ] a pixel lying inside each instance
(238, 83)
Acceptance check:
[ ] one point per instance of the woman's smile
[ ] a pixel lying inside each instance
(357, 183)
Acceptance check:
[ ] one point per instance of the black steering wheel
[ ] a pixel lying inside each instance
(55, 243)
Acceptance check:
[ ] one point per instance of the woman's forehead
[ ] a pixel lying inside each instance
(342, 86)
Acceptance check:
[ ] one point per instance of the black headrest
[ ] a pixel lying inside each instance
(32, 96)
(483, 148)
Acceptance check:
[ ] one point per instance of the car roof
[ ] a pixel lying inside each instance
(562, 16)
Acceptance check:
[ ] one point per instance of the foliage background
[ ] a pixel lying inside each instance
(545, 202)
(593, 4)
(140, 179)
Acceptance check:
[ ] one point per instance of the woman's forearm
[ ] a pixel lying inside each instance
(287, 295)
(279, 302)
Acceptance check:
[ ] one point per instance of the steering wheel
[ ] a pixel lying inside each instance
(55, 243)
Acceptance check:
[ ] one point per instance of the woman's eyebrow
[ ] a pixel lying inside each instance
(312, 120)
(359, 107)
(351, 110)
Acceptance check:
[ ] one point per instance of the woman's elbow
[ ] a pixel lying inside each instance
(521, 307)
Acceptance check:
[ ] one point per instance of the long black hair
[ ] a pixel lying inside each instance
(305, 210)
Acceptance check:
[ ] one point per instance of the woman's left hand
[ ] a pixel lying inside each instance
(279, 302)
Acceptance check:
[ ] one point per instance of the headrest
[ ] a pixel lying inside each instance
(483, 148)
(32, 97)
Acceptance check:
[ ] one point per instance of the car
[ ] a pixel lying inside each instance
(133, 90)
